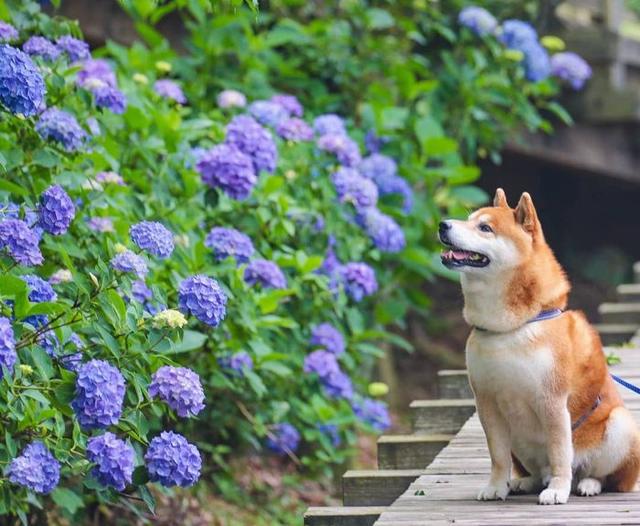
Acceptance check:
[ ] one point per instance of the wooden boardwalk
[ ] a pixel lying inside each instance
(445, 492)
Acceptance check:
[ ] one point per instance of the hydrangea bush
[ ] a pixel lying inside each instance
(190, 271)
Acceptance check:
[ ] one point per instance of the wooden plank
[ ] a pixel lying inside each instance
(454, 383)
(620, 313)
(440, 416)
(342, 516)
(636, 272)
(409, 451)
(375, 488)
(628, 292)
(614, 334)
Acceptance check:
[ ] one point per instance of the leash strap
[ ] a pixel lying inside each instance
(584, 417)
(626, 384)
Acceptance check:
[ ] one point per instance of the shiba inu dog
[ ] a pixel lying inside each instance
(553, 419)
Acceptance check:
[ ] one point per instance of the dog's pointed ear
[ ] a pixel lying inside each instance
(526, 214)
(500, 199)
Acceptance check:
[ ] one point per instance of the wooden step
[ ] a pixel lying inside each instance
(376, 488)
(454, 383)
(440, 416)
(616, 333)
(343, 516)
(622, 313)
(409, 451)
(628, 292)
(636, 272)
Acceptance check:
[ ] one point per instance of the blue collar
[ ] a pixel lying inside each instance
(541, 316)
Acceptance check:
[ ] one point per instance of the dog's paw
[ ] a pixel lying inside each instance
(491, 492)
(588, 487)
(525, 485)
(553, 496)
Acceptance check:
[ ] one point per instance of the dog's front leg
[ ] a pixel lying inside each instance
(498, 436)
(557, 423)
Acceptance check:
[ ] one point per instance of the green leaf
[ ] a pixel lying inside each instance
(191, 340)
(256, 383)
(67, 499)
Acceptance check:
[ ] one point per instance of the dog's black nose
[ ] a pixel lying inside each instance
(444, 226)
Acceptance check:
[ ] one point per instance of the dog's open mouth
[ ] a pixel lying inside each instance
(456, 257)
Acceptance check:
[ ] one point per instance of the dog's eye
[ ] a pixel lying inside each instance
(485, 228)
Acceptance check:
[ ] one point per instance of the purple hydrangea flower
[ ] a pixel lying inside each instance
(378, 167)
(283, 439)
(338, 385)
(204, 298)
(22, 88)
(141, 292)
(571, 68)
(180, 388)
(290, 103)
(331, 432)
(7, 32)
(266, 273)
(36, 469)
(74, 48)
(20, 242)
(170, 89)
(73, 361)
(172, 461)
(38, 46)
(343, 147)
(128, 261)
(110, 178)
(236, 363)
(373, 143)
(39, 289)
(359, 280)
(7, 346)
(61, 127)
(96, 70)
(94, 127)
(537, 65)
(329, 124)
(226, 167)
(478, 19)
(100, 224)
(99, 395)
(56, 210)
(373, 413)
(516, 34)
(231, 98)
(321, 362)
(354, 188)
(397, 185)
(9, 211)
(331, 263)
(114, 460)
(294, 129)
(268, 113)
(253, 140)
(229, 242)
(153, 237)
(385, 233)
(110, 98)
(328, 337)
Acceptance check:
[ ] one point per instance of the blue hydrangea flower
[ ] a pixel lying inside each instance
(56, 210)
(180, 388)
(172, 461)
(37, 46)
(153, 237)
(537, 65)
(72, 361)
(354, 188)
(36, 469)
(9, 211)
(39, 289)
(226, 167)
(20, 242)
(266, 273)
(374, 143)
(290, 103)
(236, 363)
(100, 224)
(338, 385)
(110, 98)
(329, 124)
(397, 185)
(204, 298)
(22, 88)
(321, 362)
(7, 346)
(229, 242)
(114, 460)
(268, 113)
(571, 68)
(74, 48)
(328, 337)
(516, 34)
(94, 127)
(253, 140)
(331, 432)
(62, 127)
(128, 261)
(96, 70)
(231, 98)
(373, 413)
(283, 438)
(294, 129)
(478, 19)
(359, 280)
(170, 89)
(385, 233)
(141, 292)
(99, 395)
(331, 264)
(343, 147)
(7, 32)
(377, 167)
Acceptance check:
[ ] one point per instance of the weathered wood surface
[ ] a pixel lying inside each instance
(409, 451)
(445, 492)
(616, 333)
(623, 313)
(375, 488)
(342, 516)
(454, 384)
(440, 416)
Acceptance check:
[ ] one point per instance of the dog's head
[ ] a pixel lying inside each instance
(492, 239)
